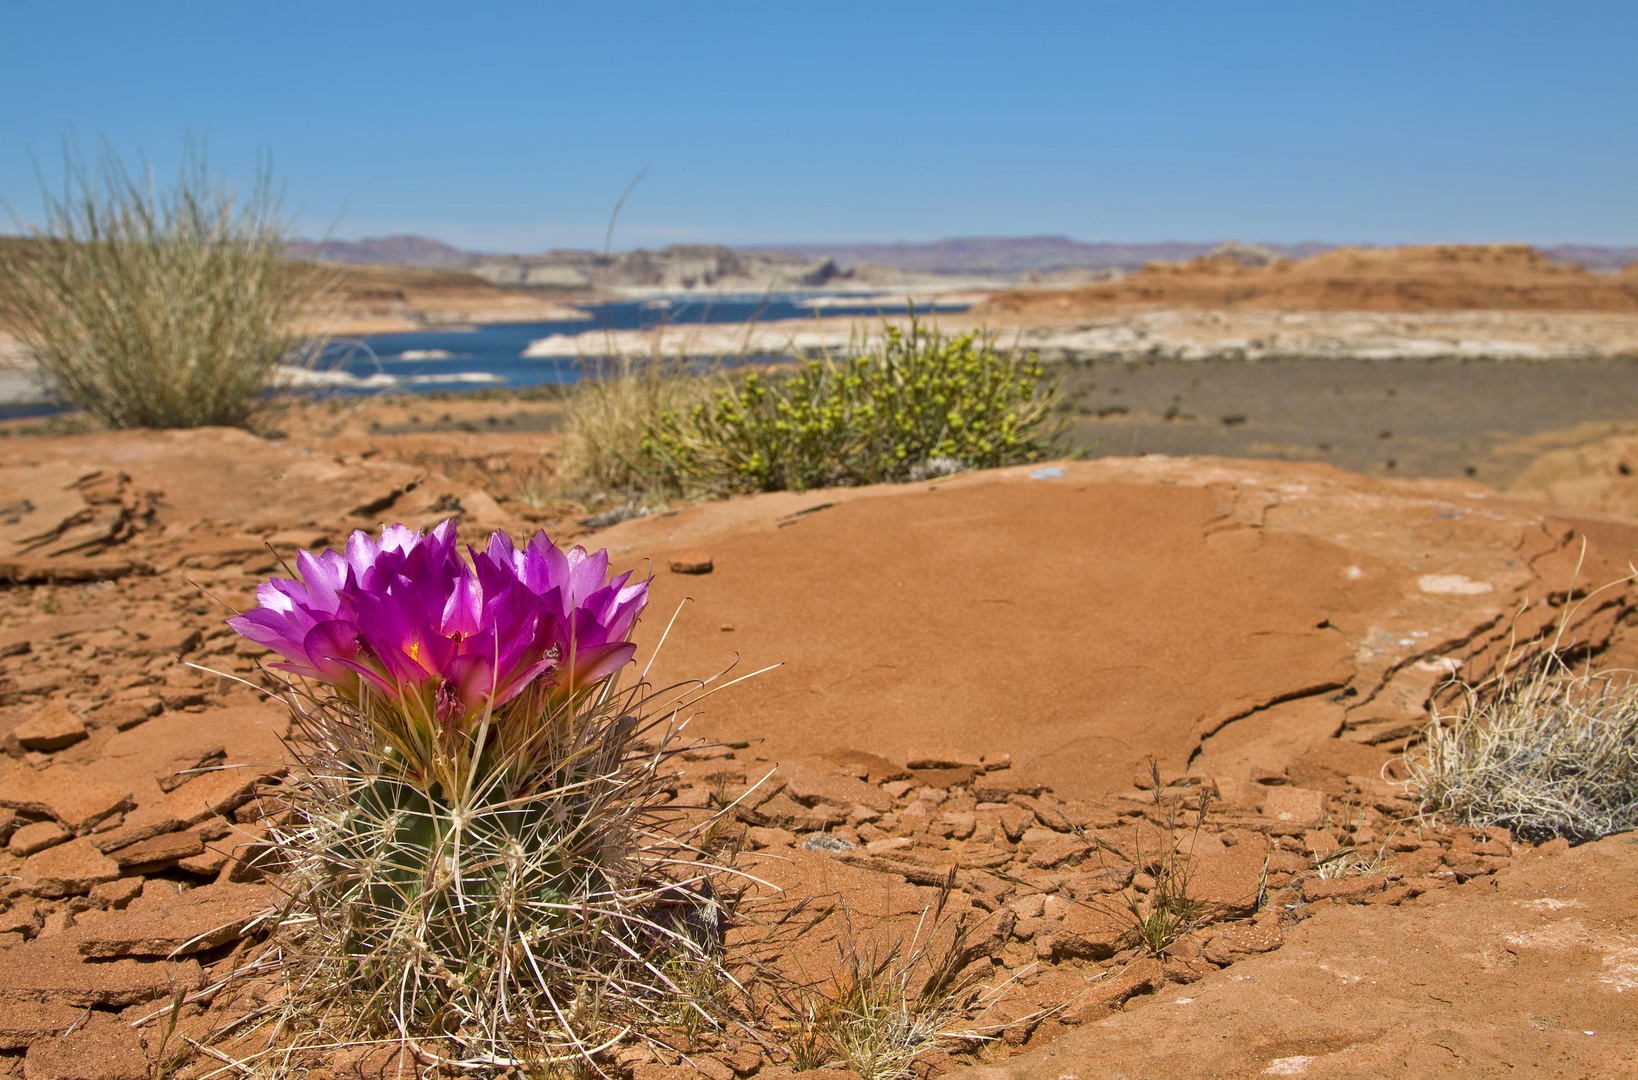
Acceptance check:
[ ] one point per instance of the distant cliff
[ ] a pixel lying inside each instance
(400, 250)
(680, 267)
(984, 261)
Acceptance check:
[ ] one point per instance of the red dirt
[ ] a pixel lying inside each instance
(1430, 278)
(1269, 632)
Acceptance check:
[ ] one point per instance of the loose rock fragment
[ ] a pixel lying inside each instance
(61, 792)
(69, 869)
(53, 728)
(691, 562)
(37, 837)
(199, 919)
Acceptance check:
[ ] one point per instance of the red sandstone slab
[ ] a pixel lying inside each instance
(199, 919)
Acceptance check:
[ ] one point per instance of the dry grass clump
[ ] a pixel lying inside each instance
(608, 413)
(156, 310)
(1541, 749)
(885, 1003)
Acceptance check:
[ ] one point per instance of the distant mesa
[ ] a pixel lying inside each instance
(400, 250)
(1435, 277)
(799, 265)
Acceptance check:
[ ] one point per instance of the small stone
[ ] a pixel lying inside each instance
(181, 768)
(24, 919)
(139, 824)
(764, 837)
(117, 895)
(691, 562)
(1227, 880)
(1395, 895)
(815, 783)
(786, 813)
(944, 757)
(124, 715)
(52, 970)
(1090, 933)
(1140, 977)
(61, 792)
(997, 785)
(57, 922)
(1346, 890)
(1233, 941)
(712, 1069)
(169, 640)
(157, 853)
(1058, 851)
(207, 863)
(197, 920)
(957, 825)
(37, 837)
(214, 793)
(743, 1062)
(1036, 838)
(1107, 879)
(1014, 821)
(52, 728)
(304, 539)
(69, 869)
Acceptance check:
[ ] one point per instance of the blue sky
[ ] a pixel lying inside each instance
(515, 126)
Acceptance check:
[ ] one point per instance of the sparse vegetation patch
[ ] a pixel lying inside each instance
(881, 415)
(155, 310)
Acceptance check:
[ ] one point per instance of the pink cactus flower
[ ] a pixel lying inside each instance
(408, 617)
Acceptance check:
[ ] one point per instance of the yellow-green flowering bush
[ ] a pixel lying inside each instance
(874, 417)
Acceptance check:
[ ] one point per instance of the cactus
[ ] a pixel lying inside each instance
(476, 859)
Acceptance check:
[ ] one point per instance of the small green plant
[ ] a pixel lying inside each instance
(151, 310)
(885, 1003)
(1166, 912)
(874, 417)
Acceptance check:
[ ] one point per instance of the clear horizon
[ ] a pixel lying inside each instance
(515, 127)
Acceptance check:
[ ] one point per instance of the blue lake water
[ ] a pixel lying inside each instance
(492, 355)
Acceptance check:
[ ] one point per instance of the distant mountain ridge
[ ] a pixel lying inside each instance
(1007, 255)
(402, 249)
(1019, 255)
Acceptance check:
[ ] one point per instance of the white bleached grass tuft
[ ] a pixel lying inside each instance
(1543, 750)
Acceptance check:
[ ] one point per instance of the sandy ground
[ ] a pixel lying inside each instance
(1410, 418)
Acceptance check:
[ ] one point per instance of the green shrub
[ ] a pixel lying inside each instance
(916, 399)
(153, 310)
